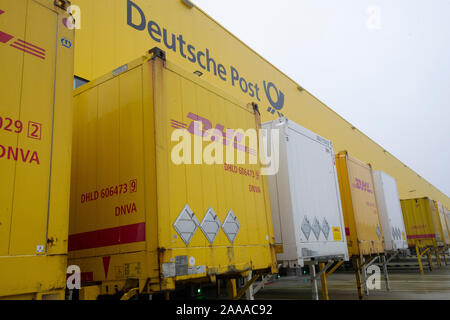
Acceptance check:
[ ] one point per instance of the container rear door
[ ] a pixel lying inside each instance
(390, 211)
(215, 213)
(315, 195)
(370, 234)
(27, 62)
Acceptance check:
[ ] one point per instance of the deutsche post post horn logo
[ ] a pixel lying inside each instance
(277, 105)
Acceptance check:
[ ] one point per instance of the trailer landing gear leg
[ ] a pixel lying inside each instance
(386, 275)
(430, 261)
(356, 265)
(323, 281)
(249, 293)
(231, 287)
(315, 291)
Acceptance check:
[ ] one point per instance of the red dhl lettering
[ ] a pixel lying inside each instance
(19, 154)
(125, 209)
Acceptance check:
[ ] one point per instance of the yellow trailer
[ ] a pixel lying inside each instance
(422, 222)
(363, 229)
(143, 223)
(362, 221)
(423, 228)
(36, 82)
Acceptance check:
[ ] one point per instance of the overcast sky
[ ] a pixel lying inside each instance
(383, 65)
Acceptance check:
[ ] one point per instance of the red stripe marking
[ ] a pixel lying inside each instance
(178, 127)
(1, 11)
(181, 123)
(347, 231)
(422, 236)
(28, 48)
(107, 237)
(43, 58)
(32, 45)
(4, 37)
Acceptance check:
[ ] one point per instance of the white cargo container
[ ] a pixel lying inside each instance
(390, 211)
(306, 207)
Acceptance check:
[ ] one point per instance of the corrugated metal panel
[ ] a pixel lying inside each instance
(305, 196)
(418, 217)
(362, 221)
(35, 145)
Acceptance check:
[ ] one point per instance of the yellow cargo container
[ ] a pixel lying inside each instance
(422, 222)
(361, 217)
(36, 82)
(135, 215)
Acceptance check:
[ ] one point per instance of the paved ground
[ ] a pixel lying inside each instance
(405, 285)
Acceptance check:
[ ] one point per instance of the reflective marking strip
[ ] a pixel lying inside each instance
(43, 58)
(31, 45)
(107, 237)
(17, 43)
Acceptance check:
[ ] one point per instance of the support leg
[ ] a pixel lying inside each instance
(315, 291)
(386, 275)
(364, 278)
(356, 265)
(438, 256)
(249, 293)
(419, 259)
(323, 281)
(218, 288)
(430, 261)
(232, 289)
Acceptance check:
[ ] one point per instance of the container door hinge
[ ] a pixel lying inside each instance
(62, 4)
(158, 53)
(255, 108)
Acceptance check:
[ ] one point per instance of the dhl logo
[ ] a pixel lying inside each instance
(22, 45)
(362, 185)
(219, 132)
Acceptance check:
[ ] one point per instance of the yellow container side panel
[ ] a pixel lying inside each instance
(113, 32)
(35, 144)
(123, 135)
(108, 192)
(359, 191)
(347, 203)
(209, 186)
(418, 221)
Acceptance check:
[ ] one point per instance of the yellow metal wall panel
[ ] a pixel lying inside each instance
(139, 110)
(418, 217)
(106, 40)
(36, 51)
(359, 204)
